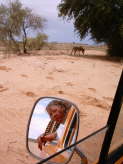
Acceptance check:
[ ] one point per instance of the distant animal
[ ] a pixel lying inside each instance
(77, 49)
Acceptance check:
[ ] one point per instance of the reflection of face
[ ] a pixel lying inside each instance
(56, 113)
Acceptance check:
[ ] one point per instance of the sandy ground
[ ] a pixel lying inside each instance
(89, 81)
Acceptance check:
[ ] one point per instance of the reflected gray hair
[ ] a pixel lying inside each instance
(63, 104)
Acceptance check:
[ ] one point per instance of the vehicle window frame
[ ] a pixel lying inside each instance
(115, 155)
(111, 124)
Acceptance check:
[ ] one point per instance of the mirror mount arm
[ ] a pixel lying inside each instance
(82, 156)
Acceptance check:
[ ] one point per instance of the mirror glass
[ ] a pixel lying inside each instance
(53, 126)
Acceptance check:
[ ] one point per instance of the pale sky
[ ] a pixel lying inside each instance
(56, 29)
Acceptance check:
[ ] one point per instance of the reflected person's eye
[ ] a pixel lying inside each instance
(54, 110)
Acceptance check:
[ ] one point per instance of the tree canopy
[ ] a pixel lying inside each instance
(17, 23)
(103, 19)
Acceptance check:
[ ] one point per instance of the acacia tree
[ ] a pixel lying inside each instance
(17, 23)
(30, 23)
(10, 24)
(103, 19)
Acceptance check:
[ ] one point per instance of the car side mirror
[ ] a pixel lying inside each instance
(52, 127)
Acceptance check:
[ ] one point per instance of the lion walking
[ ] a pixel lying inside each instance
(77, 49)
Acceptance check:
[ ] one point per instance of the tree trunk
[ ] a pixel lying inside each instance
(24, 40)
(13, 40)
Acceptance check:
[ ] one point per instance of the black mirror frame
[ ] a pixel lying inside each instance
(27, 131)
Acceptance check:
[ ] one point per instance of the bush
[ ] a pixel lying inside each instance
(37, 43)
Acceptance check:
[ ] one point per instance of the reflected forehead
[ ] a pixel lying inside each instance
(54, 106)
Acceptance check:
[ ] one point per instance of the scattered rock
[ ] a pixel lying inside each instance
(92, 89)
(108, 98)
(59, 70)
(60, 92)
(72, 62)
(23, 75)
(4, 68)
(30, 94)
(50, 77)
(88, 100)
(69, 84)
(2, 88)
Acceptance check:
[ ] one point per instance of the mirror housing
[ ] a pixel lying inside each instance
(53, 126)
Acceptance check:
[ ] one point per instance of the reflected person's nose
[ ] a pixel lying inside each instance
(54, 115)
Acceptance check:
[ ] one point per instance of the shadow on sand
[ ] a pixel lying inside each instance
(103, 58)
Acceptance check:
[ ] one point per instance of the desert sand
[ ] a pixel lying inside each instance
(89, 81)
